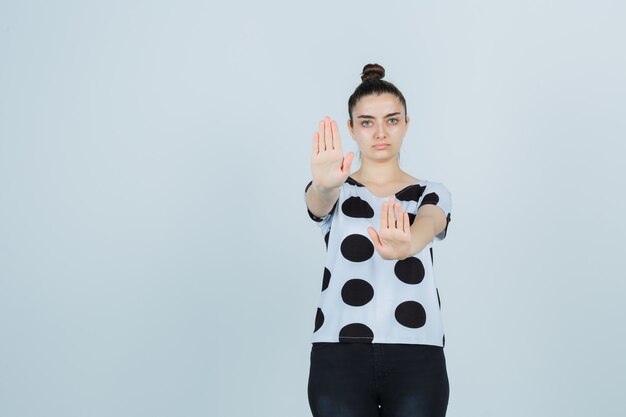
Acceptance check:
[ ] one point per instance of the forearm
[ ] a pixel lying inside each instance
(320, 201)
(422, 232)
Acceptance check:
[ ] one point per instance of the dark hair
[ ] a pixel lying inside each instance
(373, 83)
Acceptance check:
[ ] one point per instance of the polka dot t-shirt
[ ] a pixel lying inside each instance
(368, 299)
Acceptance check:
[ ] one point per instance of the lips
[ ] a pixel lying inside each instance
(381, 146)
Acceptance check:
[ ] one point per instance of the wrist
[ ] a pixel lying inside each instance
(325, 193)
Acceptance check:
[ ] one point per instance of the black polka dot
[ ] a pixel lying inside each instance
(325, 279)
(319, 319)
(410, 270)
(411, 218)
(411, 314)
(432, 261)
(356, 332)
(430, 198)
(357, 292)
(411, 193)
(443, 342)
(356, 207)
(438, 299)
(326, 237)
(357, 248)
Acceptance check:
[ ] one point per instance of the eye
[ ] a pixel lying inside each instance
(365, 121)
(395, 121)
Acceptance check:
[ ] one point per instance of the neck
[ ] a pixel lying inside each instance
(379, 172)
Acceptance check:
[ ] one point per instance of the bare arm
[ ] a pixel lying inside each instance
(429, 222)
(320, 202)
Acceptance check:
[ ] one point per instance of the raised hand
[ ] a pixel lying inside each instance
(394, 239)
(328, 165)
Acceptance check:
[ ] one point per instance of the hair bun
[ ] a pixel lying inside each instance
(372, 72)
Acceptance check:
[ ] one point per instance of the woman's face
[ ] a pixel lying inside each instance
(379, 126)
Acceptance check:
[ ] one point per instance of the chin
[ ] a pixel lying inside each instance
(383, 157)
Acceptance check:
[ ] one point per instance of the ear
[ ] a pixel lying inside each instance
(350, 128)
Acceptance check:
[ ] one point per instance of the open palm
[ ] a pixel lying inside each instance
(394, 239)
(329, 168)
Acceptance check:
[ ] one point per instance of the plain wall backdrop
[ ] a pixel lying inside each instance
(156, 258)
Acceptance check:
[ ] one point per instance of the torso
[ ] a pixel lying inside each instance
(365, 298)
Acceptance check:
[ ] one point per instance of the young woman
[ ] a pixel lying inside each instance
(377, 344)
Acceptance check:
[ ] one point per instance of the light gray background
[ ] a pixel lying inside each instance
(156, 258)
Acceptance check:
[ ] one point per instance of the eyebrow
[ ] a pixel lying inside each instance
(367, 116)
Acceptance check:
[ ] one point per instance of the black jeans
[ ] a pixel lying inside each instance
(377, 380)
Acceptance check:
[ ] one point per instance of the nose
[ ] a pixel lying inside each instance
(380, 131)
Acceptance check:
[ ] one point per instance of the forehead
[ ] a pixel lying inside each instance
(378, 105)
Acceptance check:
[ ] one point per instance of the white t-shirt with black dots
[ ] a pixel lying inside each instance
(368, 299)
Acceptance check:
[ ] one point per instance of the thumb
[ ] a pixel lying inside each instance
(377, 243)
(347, 161)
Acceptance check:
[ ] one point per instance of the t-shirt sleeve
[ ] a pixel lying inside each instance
(436, 193)
(321, 221)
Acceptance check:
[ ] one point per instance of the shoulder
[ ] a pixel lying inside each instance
(437, 188)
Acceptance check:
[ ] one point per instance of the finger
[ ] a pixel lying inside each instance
(399, 216)
(405, 223)
(390, 214)
(320, 134)
(347, 162)
(336, 136)
(374, 236)
(384, 217)
(316, 143)
(328, 134)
